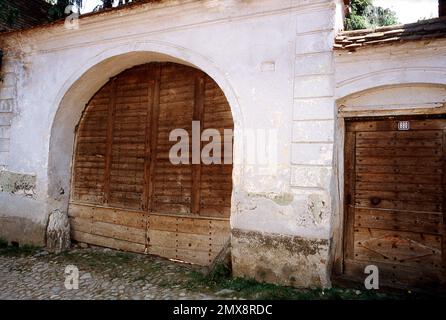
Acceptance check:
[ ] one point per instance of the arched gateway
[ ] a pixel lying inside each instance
(126, 192)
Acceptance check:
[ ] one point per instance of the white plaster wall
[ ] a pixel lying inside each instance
(415, 62)
(7, 102)
(272, 59)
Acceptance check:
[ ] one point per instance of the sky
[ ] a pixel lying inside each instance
(411, 10)
(407, 10)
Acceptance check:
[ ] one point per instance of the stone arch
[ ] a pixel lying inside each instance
(81, 86)
(403, 96)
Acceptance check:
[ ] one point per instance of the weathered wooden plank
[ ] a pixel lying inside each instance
(398, 151)
(134, 219)
(399, 220)
(201, 258)
(109, 230)
(189, 225)
(349, 217)
(429, 135)
(148, 102)
(196, 168)
(399, 205)
(397, 276)
(108, 155)
(396, 247)
(188, 241)
(403, 187)
(107, 242)
(420, 196)
(361, 168)
(392, 125)
(399, 178)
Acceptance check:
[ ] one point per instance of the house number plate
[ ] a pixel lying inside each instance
(403, 125)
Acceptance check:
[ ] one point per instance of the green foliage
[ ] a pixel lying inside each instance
(220, 278)
(364, 15)
(8, 14)
(57, 10)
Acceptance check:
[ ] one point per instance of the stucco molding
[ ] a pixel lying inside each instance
(388, 77)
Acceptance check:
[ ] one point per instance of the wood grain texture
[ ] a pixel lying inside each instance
(395, 181)
(126, 193)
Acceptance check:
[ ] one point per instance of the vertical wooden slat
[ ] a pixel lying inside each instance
(154, 132)
(110, 125)
(148, 135)
(443, 227)
(196, 168)
(350, 174)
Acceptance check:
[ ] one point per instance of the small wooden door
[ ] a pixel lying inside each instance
(395, 175)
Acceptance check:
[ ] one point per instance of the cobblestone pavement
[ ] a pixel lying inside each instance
(103, 274)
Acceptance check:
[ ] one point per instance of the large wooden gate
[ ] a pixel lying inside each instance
(395, 176)
(126, 193)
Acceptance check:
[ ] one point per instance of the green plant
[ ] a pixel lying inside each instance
(8, 14)
(15, 251)
(364, 15)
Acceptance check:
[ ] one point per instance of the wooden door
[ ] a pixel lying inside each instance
(126, 193)
(395, 175)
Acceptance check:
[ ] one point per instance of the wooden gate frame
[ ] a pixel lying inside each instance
(345, 113)
(214, 232)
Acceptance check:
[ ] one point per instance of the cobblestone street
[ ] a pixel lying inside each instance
(103, 274)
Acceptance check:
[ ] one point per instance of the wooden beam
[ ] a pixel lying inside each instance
(443, 227)
(441, 8)
(349, 193)
(110, 128)
(153, 137)
(196, 168)
(148, 134)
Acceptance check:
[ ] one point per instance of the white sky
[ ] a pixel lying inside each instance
(89, 5)
(407, 10)
(411, 10)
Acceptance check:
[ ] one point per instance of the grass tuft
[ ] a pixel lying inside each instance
(220, 278)
(17, 251)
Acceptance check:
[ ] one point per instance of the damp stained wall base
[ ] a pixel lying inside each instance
(280, 259)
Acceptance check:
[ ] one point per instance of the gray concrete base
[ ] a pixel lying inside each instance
(279, 259)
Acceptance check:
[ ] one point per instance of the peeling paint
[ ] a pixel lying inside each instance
(317, 206)
(275, 258)
(299, 245)
(282, 199)
(18, 183)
